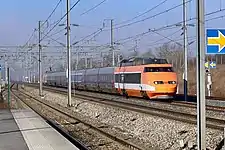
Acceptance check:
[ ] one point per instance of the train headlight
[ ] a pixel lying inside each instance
(158, 82)
(172, 82)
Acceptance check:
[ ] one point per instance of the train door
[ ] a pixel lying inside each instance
(122, 77)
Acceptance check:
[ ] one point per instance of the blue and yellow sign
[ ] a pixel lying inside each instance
(215, 41)
(211, 64)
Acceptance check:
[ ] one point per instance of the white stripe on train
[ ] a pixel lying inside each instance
(143, 87)
(126, 72)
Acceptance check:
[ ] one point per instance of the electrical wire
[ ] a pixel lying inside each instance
(153, 16)
(33, 33)
(149, 10)
(142, 34)
(92, 8)
(162, 28)
(57, 32)
(166, 37)
(61, 18)
(97, 34)
(57, 5)
(87, 36)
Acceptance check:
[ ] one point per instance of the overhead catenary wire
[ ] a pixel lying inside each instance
(57, 22)
(174, 24)
(143, 33)
(153, 16)
(33, 33)
(161, 28)
(59, 31)
(99, 30)
(57, 5)
(171, 24)
(190, 37)
(166, 37)
(92, 8)
(149, 10)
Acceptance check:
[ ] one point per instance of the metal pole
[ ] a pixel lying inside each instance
(102, 62)
(6, 76)
(8, 88)
(113, 53)
(34, 73)
(85, 60)
(27, 63)
(185, 50)
(40, 59)
(30, 75)
(77, 60)
(90, 62)
(68, 53)
(201, 119)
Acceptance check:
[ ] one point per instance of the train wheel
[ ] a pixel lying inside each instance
(125, 93)
(144, 95)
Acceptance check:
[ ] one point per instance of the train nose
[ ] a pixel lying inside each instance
(165, 86)
(164, 82)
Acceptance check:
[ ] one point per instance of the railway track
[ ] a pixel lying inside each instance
(119, 140)
(150, 110)
(177, 102)
(52, 123)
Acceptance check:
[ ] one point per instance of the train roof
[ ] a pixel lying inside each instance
(136, 61)
(101, 69)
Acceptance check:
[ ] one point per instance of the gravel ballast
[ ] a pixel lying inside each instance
(151, 131)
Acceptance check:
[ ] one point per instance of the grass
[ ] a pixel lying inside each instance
(218, 81)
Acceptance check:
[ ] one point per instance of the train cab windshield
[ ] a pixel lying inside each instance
(158, 69)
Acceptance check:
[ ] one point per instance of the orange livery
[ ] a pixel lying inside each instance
(136, 77)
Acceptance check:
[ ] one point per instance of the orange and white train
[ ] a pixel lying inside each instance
(138, 77)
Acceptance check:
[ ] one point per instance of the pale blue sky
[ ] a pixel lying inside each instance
(20, 17)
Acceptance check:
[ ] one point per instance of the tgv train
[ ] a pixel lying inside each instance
(136, 77)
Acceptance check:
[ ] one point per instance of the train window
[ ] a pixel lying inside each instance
(117, 78)
(132, 78)
(158, 69)
(155, 61)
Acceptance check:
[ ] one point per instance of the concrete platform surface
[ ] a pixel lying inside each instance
(10, 135)
(38, 134)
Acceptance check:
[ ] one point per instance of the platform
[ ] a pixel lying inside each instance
(10, 135)
(26, 130)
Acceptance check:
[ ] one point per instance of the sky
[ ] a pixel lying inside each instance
(20, 18)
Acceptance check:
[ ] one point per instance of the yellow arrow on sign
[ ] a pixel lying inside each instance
(213, 64)
(207, 64)
(220, 41)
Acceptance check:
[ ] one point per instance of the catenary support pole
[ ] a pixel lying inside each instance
(8, 75)
(185, 49)
(201, 119)
(77, 60)
(40, 60)
(68, 52)
(113, 52)
(85, 60)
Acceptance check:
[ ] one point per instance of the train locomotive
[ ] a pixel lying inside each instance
(136, 77)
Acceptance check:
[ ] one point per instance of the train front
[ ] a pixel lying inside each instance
(161, 81)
